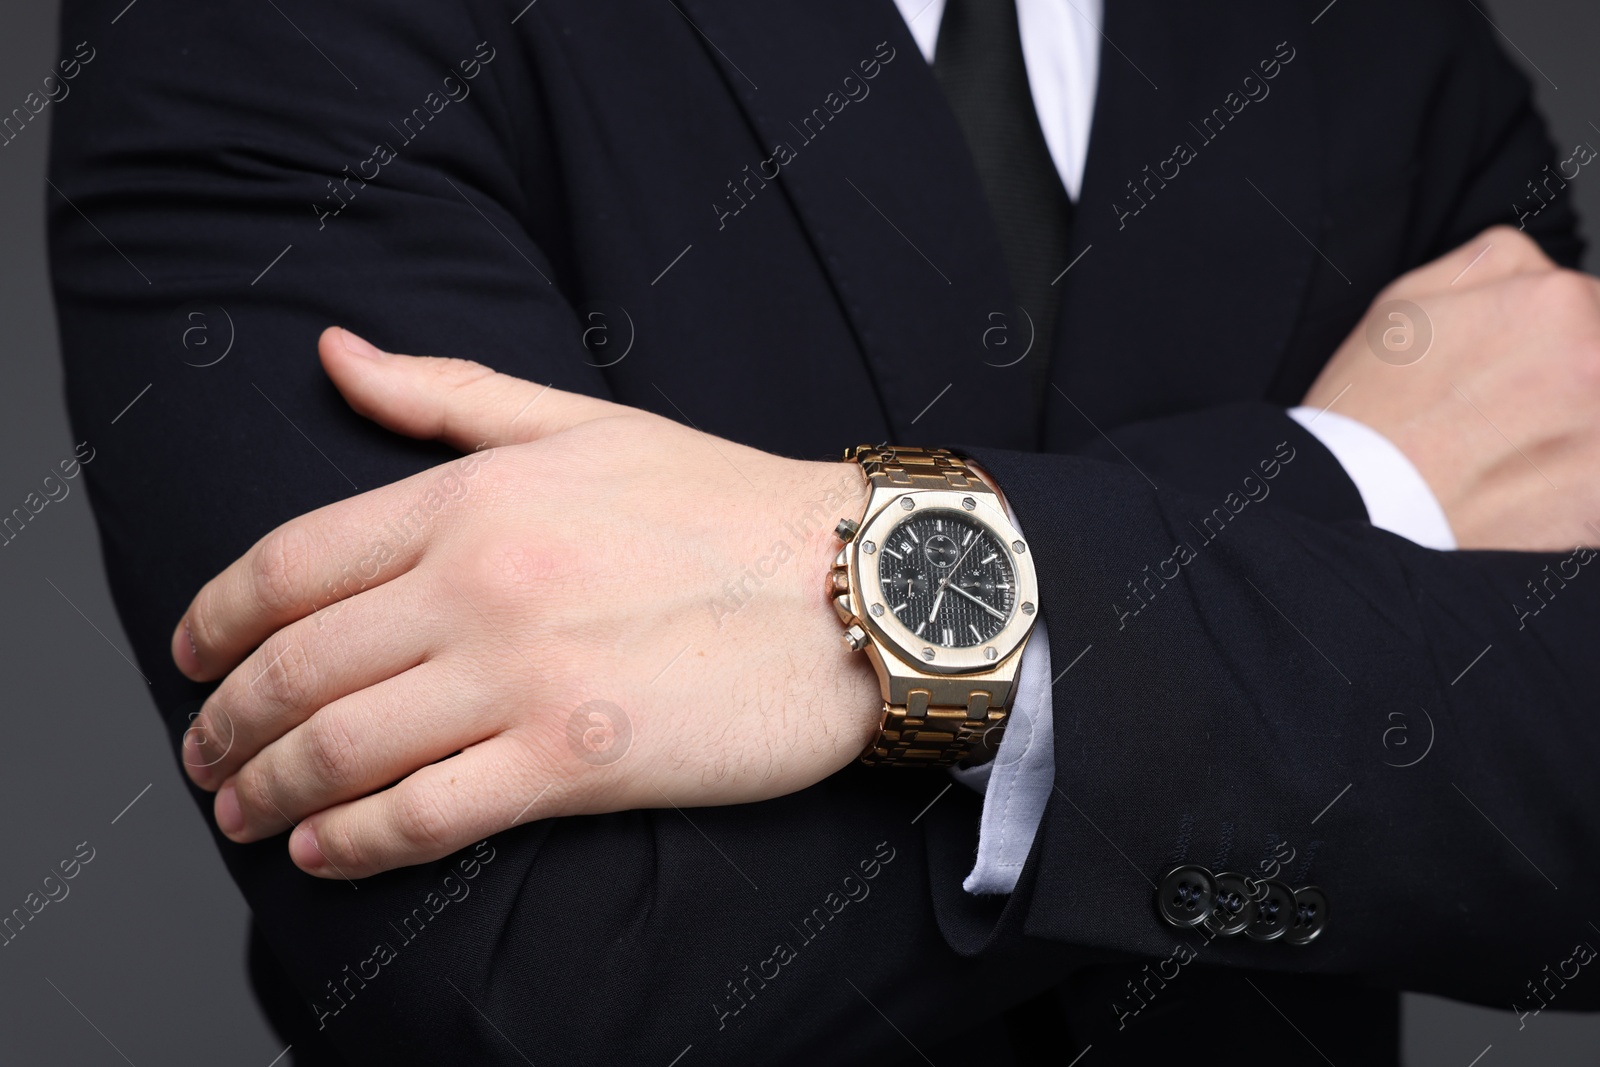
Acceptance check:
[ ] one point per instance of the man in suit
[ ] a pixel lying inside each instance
(794, 229)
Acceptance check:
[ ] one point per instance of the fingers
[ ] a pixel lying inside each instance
(1497, 253)
(357, 745)
(341, 650)
(462, 403)
(428, 815)
(315, 561)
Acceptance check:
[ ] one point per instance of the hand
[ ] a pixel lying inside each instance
(598, 609)
(939, 597)
(962, 592)
(1502, 413)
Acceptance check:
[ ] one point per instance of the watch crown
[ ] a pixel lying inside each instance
(839, 581)
(855, 638)
(846, 529)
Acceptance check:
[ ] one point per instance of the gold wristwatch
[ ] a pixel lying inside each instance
(936, 585)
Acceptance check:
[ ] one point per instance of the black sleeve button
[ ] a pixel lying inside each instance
(1310, 916)
(1274, 910)
(1186, 895)
(1233, 910)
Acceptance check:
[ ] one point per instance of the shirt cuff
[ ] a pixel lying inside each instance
(1396, 495)
(1015, 784)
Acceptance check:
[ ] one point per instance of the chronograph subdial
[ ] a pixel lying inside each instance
(948, 579)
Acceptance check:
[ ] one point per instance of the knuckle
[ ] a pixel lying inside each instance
(201, 620)
(1405, 284)
(539, 756)
(254, 786)
(332, 750)
(459, 379)
(1586, 365)
(1507, 236)
(457, 373)
(213, 732)
(509, 568)
(1524, 247)
(288, 679)
(341, 847)
(1564, 291)
(423, 823)
(280, 567)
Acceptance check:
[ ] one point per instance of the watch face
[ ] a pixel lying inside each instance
(947, 578)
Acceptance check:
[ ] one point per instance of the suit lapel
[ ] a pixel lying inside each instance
(1196, 270)
(887, 192)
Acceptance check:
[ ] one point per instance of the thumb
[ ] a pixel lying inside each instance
(462, 403)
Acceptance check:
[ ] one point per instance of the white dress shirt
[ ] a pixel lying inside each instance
(1061, 49)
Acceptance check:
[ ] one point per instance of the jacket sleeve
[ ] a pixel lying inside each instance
(1270, 685)
(1411, 730)
(224, 188)
(188, 198)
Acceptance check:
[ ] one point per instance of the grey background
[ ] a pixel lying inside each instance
(143, 960)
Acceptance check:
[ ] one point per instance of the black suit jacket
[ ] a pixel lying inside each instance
(769, 209)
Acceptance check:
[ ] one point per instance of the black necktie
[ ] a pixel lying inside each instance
(978, 62)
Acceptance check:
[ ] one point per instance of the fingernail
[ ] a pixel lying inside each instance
(194, 756)
(230, 817)
(359, 347)
(186, 653)
(303, 848)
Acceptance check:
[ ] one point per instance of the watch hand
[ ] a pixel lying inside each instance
(942, 585)
(975, 600)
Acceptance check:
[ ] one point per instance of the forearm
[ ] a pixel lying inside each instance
(1281, 645)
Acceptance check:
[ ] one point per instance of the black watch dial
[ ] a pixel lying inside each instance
(947, 578)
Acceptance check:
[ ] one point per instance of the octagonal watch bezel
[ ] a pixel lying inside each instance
(898, 638)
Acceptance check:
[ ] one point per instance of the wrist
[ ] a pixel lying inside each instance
(843, 688)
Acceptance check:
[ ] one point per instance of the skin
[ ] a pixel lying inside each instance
(587, 555)
(587, 551)
(1500, 415)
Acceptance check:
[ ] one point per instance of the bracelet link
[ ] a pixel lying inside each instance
(915, 468)
(920, 734)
